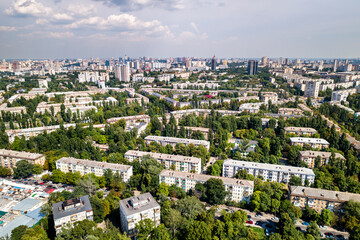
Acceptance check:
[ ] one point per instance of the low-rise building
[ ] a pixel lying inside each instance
(238, 190)
(130, 120)
(269, 96)
(204, 131)
(309, 157)
(290, 111)
(68, 164)
(250, 107)
(173, 141)
(271, 172)
(300, 130)
(313, 142)
(9, 158)
(181, 163)
(70, 211)
(136, 209)
(319, 199)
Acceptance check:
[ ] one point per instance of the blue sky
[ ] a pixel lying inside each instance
(193, 28)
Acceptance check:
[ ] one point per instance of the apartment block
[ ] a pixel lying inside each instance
(300, 130)
(204, 131)
(309, 157)
(290, 111)
(271, 172)
(313, 142)
(71, 211)
(319, 199)
(130, 120)
(238, 190)
(173, 141)
(68, 164)
(269, 96)
(181, 163)
(136, 209)
(9, 158)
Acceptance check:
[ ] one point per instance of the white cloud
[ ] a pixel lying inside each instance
(61, 34)
(7, 29)
(23, 8)
(62, 17)
(131, 5)
(81, 10)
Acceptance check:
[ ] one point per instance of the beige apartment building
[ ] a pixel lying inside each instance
(290, 111)
(300, 131)
(173, 141)
(319, 199)
(9, 158)
(318, 143)
(309, 157)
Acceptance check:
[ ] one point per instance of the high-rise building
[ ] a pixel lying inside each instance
(264, 61)
(312, 89)
(335, 65)
(122, 72)
(213, 64)
(287, 62)
(252, 67)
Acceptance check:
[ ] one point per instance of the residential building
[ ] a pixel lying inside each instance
(136, 209)
(290, 111)
(313, 142)
(319, 199)
(300, 130)
(122, 72)
(309, 157)
(269, 96)
(130, 120)
(252, 67)
(244, 146)
(9, 158)
(271, 172)
(204, 131)
(312, 89)
(181, 163)
(213, 64)
(68, 164)
(173, 141)
(238, 190)
(70, 211)
(250, 107)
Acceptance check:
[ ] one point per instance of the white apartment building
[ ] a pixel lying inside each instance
(300, 130)
(130, 120)
(269, 96)
(312, 89)
(9, 158)
(250, 107)
(122, 72)
(136, 209)
(271, 172)
(68, 164)
(181, 163)
(238, 190)
(71, 211)
(313, 142)
(173, 141)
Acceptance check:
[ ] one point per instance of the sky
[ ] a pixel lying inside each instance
(42, 29)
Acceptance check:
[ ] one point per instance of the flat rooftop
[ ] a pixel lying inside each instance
(60, 209)
(318, 193)
(205, 177)
(270, 167)
(309, 140)
(138, 204)
(163, 156)
(177, 140)
(300, 129)
(22, 155)
(318, 153)
(90, 163)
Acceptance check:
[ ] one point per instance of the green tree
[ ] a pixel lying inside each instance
(313, 230)
(189, 207)
(215, 191)
(326, 217)
(18, 232)
(198, 230)
(295, 181)
(23, 169)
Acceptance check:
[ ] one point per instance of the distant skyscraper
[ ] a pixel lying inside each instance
(213, 64)
(287, 61)
(264, 61)
(107, 63)
(252, 67)
(122, 72)
(280, 60)
(335, 65)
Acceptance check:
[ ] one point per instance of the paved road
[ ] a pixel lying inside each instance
(270, 224)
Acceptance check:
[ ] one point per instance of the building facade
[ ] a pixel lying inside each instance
(181, 163)
(136, 209)
(300, 131)
(9, 158)
(271, 172)
(70, 211)
(312, 142)
(173, 141)
(238, 190)
(309, 157)
(68, 164)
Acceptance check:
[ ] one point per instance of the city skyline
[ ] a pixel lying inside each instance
(39, 29)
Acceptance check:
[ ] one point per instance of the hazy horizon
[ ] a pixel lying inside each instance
(60, 29)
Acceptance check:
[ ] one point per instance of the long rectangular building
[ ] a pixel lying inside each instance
(309, 157)
(313, 142)
(9, 158)
(238, 190)
(320, 199)
(300, 130)
(181, 163)
(68, 164)
(173, 141)
(271, 172)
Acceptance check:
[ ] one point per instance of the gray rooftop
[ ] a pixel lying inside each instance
(138, 204)
(317, 193)
(164, 156)
(309, 140)
(22, 155)
(318, 153)
(90, 163)
(60, 211)
(26, 204)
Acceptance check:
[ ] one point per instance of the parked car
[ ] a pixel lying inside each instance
(258, 215)
(340, 237)
(249, 222)
(322, 227)
(305, 223)
(275, 218)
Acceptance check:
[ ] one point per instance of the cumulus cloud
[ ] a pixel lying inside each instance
(7, 29)
(26, 8)
(61, 34)
(129, 5)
